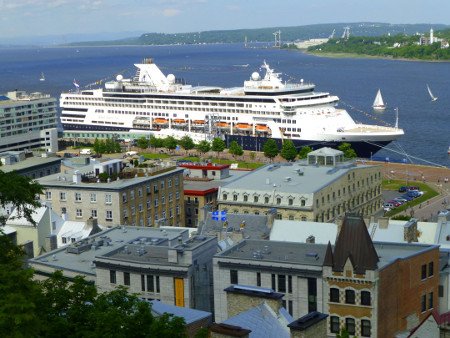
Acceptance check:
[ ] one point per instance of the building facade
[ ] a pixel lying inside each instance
(28, 121)
(32, 167)
(320, 189)
(144, 197)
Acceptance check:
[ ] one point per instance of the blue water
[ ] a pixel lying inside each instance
(355, 81)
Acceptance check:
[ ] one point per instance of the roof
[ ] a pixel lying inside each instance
(189, 315)
(354, 243)
(73, 229)
(29, 163)
(299, 231)
(326, 151)
(308, 320)
(229, 330)
(296, 178)
(395, 229)
(256, 226)
(280, 252)
(263, 322)
(202, 166)
(254, 291)
(15, 220)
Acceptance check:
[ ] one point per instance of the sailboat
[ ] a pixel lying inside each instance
(42, 78)
(433, 98)
(378, 103)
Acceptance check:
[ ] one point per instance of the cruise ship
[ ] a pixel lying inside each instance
(264, 107)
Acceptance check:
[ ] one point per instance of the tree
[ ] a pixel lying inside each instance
(142, 142)
(97, 146)
(170, 143)
(187, 143)
(20, 191)
(218, 145)
(235, 149)
(270, 149)
(349, 152)
(156, 142)
(203, 146)
(343, 333)
(304, 151)
(288, 150)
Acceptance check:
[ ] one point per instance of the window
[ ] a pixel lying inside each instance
(142, 282)
(255, 199)
(278, 200)
(77, 197)
(112, 276)
(273, 281)
(132, 194)
(150, 283)
(289, 284)
(64, 240)
(423, 302)
(290, 307)
(312, 294)
(266, 200)
(441, 290)
(233, 277)
(79, 213)
(94, 213)
(156, 202)
(163, 199)
(170, 197)
(334, 324)
(224, 197)
(140, 192)
(424, 271)
(235, 197)
(365, 298)
(108, 198)
(430, 300)
(245, 198)
(109, 215)
(350, 296)
(291, 201)
(124, 197)
(93, 198)
(365, 328)
(62, 196)
(177, 195)
(126, 278)
(430, 269)
(169, 183)
(303, 203)
(162, 184)
(258, 279)
(48, 195)
(334, 295)
(282, 283)
(157, 284)
(149, 204)
(350, 325)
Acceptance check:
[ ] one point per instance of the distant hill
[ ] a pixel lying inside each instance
(266, 34)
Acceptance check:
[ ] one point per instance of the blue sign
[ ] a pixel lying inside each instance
(215, 215)
(223, 216)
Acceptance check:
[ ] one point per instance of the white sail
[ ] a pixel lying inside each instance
(378, 103)
(42, 78)
(433, 98)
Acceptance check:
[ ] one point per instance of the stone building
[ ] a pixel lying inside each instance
(319, 189)
(377, 289)
(114, 195)
(30, 166)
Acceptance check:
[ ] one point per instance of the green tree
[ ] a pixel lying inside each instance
(218, 145)
(156, 142)
(235, 149)
(187, 143)
(343, 333)
(304, 151)
(170, 143)
(270, 149)
(288, 150)
(203, 146)
(142, 142)
(349, 152)
(97, 146)
(19, 191)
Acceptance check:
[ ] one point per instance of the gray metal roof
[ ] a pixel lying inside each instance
(389, 252)
(280, 252)
(189, 315)
(30, 162)
(296, 177)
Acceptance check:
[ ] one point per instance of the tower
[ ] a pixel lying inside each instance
(431, 36)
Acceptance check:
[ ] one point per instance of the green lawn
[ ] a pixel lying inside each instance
(428, 193)
(241, 164)
(151, 156)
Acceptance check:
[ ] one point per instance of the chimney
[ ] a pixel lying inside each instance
(383, 222)
(50, 243)
(92, 224)
(410, 231)
(76, 177)
(311, 239)
(64, 216)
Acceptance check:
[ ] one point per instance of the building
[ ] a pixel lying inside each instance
(156, 264)
(303, 232)
(115, 195)
(32, 167)
(292, 269)
(319, 189)
(28, 121)
(378, 289)
(425, 40)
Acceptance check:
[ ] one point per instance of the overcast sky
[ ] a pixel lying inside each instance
(20, 18)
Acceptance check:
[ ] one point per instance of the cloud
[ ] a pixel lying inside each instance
(169, 12)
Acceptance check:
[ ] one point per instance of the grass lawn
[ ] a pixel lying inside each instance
(241, 164)
(151, 156)
(428, 193)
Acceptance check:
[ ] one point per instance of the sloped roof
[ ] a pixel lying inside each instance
(354, 242)
(326, 151)
(189, 315)
(20, 220)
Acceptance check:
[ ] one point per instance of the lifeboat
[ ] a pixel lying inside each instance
(243, 126)
(261, 128)
(179, 122)
(199, 122)
(222, 125)
(160, 121)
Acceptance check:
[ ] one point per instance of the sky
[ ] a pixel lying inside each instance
(25, 18)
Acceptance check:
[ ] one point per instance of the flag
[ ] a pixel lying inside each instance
(76, 84)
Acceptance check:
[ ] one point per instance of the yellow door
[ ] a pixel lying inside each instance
(179, 291)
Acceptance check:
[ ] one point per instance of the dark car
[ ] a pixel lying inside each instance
(407, 197)
(413, 188)
(395, 203)
(403, 189)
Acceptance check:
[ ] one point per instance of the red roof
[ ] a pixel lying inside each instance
(192, 192)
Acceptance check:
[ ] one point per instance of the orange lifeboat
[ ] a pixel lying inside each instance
(222, 125)
(243, 126)
(261, 128)
(160, 121)
(179, 122)
(198, 122)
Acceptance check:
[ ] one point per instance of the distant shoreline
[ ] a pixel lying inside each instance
(365, 56)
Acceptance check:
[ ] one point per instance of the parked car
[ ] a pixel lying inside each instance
(395, 203)
(388, 206)
(401, 199)
(407, 197)
(403, 188)
(413, 188)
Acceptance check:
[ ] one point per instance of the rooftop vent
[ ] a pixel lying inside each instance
(311, 239)
(314, 255)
